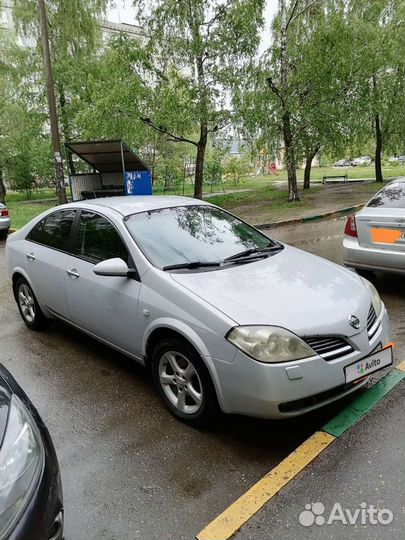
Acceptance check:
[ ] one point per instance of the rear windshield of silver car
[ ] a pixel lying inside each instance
(184, 234)
(392, 196)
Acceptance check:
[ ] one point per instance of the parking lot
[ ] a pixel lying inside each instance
(129, 470)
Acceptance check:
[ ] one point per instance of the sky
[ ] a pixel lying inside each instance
(123, 12)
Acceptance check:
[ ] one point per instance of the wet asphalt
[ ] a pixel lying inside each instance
(129, 469)
(362, 468)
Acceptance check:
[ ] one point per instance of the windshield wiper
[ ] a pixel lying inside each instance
(254, 251)
(191, 265)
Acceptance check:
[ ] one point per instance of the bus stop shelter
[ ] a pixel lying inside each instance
(112, 169)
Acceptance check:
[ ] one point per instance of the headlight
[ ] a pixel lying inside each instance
(375, 297)
(21, 459)
(269, 343)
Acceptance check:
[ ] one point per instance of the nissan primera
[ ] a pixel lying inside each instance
(217, 311)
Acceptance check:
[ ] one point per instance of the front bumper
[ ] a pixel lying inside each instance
(276, 391)
(372, 258)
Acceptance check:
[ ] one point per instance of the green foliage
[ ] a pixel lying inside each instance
(236, 169)
(332, 67)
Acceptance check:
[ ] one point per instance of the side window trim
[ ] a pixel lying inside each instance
(41, 221)
(73, 239)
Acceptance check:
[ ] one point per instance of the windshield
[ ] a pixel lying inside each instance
(185, 234)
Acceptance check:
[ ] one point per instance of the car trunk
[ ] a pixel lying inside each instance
(382, 228)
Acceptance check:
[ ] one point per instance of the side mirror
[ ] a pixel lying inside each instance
(112, 267)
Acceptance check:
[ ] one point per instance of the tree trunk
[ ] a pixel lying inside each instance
(53, 117)
(199, 164)
(308, 164)
(65, 127)
(202, 142)
(293, 194)
(2, 188)
(378, 149)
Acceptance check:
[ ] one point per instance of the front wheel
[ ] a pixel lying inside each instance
(28, 306)
(183, 382)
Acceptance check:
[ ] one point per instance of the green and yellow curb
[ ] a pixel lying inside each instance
(238, 513)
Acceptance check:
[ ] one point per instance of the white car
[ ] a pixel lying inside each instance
(359, 161)
(220, 314)
(375, 237)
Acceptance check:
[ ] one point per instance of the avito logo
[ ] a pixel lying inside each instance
(363, 367)
(367, 514)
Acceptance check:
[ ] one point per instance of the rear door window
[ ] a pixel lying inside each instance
(54, 230)
(392, 196)
(98, 240)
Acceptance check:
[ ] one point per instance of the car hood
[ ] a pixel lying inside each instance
(292, 289)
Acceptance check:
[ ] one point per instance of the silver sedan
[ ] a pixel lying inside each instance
(221, 315)
(375, 237)
(4, 221)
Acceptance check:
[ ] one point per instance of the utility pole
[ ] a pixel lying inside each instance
(53, 117)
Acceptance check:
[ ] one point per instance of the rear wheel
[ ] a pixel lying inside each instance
(3, 234)
(183, 382)
(28, 306)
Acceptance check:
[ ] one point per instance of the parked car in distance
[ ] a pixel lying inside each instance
(397, 159)
(375, 236)
(31, 504)
(361, 161)
(4, 221)
(343, 163)
(217, 311)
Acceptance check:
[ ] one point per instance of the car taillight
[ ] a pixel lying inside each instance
(351, 229)
(4, 212)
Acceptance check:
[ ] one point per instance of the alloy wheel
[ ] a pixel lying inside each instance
(26, 302)
(180, 382)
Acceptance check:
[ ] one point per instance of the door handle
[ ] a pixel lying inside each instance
(73, 273)
(30, 256)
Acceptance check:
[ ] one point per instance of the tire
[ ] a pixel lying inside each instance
(189, 393)
(28, 306)
(3, 234)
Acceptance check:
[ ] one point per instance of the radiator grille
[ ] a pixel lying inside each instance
(372, 322)
(329, 347)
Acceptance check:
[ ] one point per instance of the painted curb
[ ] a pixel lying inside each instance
(308, 219)
(237, 514)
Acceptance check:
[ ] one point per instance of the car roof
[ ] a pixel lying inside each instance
(134, 204)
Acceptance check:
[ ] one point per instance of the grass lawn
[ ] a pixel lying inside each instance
(43, 193)
(268, 203)
(264, 201)
(22, 213)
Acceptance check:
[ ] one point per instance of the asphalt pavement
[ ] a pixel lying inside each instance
(360, 478)
(130, 470)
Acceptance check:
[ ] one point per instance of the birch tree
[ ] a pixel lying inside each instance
(198, 50)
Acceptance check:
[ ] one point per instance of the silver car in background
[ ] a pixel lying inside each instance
(218, 312)
(5, 222)
(375, 237)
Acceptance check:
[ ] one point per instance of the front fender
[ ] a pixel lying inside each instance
(192, 337)
(178, 326)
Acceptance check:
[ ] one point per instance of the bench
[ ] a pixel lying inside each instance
(334, 178)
